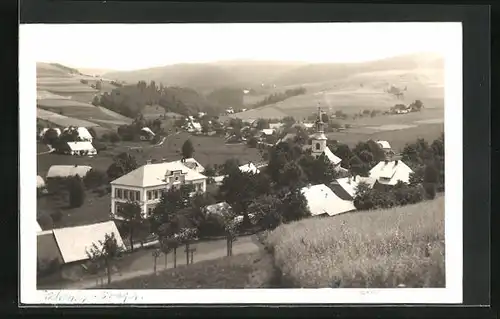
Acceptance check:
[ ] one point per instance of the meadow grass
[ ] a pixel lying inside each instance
(239, 271)
(369, 249)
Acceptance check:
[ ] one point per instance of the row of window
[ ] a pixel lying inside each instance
(127, 194)
(154, 194)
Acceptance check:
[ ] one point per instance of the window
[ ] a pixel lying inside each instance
(317, 146)
(119, 193)
(149, 195)
(150, 211)
(138, 196)
(156, 194)
(176, 178)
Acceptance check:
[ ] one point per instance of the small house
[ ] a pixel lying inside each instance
(249, 168)
(83, 148)
(146, 134)
(389, 173)
(63, 171)
(322, 201)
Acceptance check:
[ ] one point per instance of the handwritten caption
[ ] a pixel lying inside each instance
(105, 297)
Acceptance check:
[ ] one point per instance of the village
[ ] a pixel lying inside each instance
(158, 204)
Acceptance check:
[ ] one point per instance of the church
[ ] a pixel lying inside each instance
(318, 145)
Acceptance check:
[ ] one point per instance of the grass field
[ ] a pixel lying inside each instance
(62, 120)
(94, 210)
(239, 271)
(61, 103)
(374, 249)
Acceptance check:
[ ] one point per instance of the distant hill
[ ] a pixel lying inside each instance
(248, 74)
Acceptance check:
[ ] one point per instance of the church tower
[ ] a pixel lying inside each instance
(319, 139)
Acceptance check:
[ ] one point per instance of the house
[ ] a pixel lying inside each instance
(146, 134)
(346, 187)
(391, 172)
(40, 183)
(219, 179)
(385, 146)
(68, 246)
(67, 171)
(83, 133)
(79, 148)
(275, 126)
(145, 184)
(221, 208)
(192, 164)
(286, 138)
(249, 168)
(267, 132)
(321, 200)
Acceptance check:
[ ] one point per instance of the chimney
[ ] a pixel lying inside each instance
(396, 163)
(386, 161)
(349, 180)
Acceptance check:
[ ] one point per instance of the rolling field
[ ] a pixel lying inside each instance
(62, 120)
(358, 92)
(152, 112)
(369, 249)
(58, 90)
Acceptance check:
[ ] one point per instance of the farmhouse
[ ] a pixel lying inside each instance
(67, 247)
(249, 168)
(83, 133)
(218, 209)
(79, 148)
(146, 134)
(321, 200)
(145, 184)
(63, 171)
(391, 172)
(267, 132)
(346, 187)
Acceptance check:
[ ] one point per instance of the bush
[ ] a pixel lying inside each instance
(99, 146)
(95, 178)
(252, 142)
(430, 190)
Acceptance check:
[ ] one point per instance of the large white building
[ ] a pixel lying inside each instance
(145, 184)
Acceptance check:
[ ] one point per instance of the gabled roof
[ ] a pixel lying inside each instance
(218, 209)
(384, 144)
(154, 174)
(390, 172)
(219, 179)
(74, 241)
(68, 170)
(349, 185)
(268, 131)
(84, 134)
(81, 146)
(335, 160)
(39, 181)
(147, 130)
(192, 164)
(322, 200)
(249, 168)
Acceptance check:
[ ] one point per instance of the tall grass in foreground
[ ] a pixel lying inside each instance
(365, 249)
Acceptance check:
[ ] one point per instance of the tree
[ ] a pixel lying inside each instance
(230, 165)
(131, 213)
(123, 163)
(288, 121)
(114, 137)
(252, 142)
(205, 124)
(163, 216)
(294, 206)
(291, 175)
(104, 253)
(76, 192)
(187, 149)
(318, 170)
(98, 85)
(96, 101)
(262, 124)
(94, 178)
(50, 137)
(267, 211)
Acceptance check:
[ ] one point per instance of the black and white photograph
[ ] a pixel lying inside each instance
(241, 158)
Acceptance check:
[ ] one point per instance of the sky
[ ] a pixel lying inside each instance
(139, 46)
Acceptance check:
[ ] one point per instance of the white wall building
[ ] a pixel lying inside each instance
(80, 148)
(391, 172)
(321, 200)
(145, 184)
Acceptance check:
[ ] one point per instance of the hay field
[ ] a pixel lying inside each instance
(372, 249)
(62, 120)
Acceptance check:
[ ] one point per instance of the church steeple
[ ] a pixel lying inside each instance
(320, 126)
(319, 139)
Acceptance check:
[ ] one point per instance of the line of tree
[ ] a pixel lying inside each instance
(280, 96)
